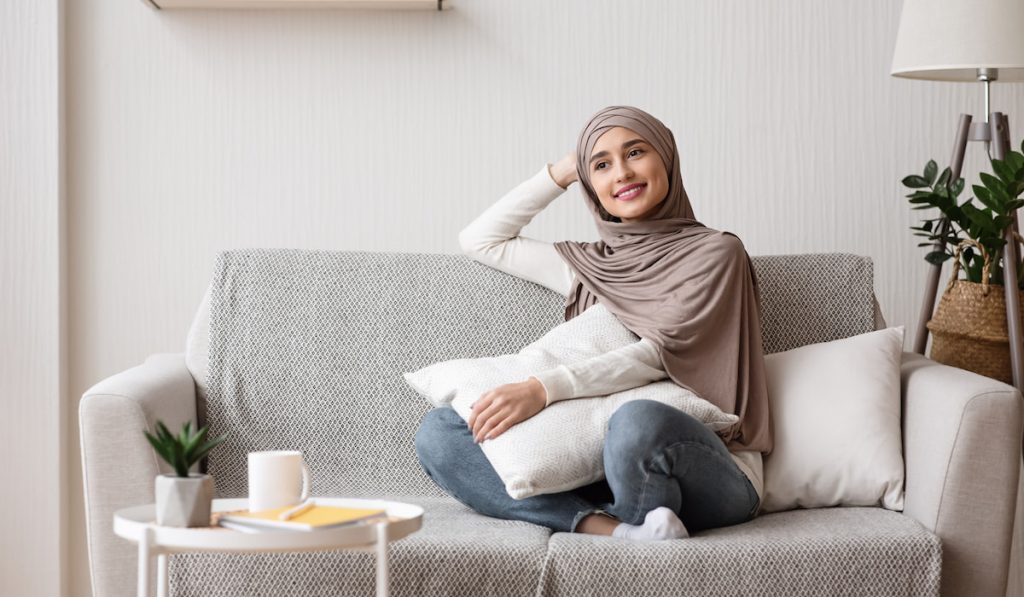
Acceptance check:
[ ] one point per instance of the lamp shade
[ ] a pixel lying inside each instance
(949, 40)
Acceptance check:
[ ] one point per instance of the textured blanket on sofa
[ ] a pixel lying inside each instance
(307, 348)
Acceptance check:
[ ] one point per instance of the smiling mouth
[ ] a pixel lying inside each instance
(632, 193)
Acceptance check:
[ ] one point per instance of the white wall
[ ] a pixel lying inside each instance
(194, 131)
(33, 390)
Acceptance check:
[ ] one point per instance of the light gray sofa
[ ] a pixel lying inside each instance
(305, 350)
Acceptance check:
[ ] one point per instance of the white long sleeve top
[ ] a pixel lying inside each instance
(493, 239)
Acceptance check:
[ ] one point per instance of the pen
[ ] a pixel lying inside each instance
(287, 514)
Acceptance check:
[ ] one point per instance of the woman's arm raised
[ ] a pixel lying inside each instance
(493, 237)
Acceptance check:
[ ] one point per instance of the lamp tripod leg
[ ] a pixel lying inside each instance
(1001, 146)
(932, 282)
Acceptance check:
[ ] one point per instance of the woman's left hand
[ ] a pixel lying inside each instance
(504, 406)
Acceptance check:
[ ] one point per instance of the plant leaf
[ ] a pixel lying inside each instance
(180, 466)
(186, 434)
(205, 449)
(992, 182)
(1015, 160)
(915, 182)
(985, 196)
(195, 442)
(1004, 171)
(162, 449)
(930, 169)
(957, 187)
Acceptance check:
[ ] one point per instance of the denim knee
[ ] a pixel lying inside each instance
(638, 427)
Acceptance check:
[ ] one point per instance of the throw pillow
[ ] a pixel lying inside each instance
(835, 409)
(561, 447)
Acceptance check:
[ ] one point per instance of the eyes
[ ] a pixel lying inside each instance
(597, 166)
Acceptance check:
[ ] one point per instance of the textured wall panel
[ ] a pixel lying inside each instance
(33, 503)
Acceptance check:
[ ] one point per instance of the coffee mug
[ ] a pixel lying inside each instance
(277, 479)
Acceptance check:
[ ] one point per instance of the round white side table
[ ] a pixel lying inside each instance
(138, 524)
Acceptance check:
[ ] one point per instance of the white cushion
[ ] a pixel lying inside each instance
(561, 447)
(835, 409)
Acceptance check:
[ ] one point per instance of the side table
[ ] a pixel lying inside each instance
(155, 542)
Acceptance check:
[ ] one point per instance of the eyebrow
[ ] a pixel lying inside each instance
(601, 154)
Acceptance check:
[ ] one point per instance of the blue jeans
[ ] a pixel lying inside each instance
(654, 455)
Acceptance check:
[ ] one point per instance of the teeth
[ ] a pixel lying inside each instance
(632, 191)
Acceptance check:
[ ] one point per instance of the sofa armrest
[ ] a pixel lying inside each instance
(118, 464)
(962, 449)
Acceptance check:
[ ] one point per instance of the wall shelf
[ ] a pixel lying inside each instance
(349, 4)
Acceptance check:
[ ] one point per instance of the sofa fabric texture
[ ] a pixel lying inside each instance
(849, 551)
(306, 351)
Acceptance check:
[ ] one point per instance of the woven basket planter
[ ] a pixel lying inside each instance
(969, 328)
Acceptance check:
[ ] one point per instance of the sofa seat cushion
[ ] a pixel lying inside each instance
(828, 551)
(456, 552)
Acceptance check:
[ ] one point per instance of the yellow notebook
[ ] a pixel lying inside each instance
(317, 517)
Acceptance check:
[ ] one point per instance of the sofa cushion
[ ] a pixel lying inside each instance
(836, 423)
(456, 552)
(829, 551)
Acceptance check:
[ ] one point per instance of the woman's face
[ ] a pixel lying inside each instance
(623, 159)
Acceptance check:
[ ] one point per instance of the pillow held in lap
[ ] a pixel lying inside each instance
(561, 447)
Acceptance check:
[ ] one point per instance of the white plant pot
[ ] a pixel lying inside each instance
(184, 502)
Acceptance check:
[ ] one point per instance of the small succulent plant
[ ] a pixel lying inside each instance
(183, 451)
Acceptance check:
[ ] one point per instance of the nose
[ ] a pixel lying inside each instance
(623, 172)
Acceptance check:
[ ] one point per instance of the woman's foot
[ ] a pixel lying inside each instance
(659, 524)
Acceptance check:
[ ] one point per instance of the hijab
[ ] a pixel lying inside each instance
(689, 289)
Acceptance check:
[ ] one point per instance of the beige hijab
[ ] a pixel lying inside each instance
(688, 288)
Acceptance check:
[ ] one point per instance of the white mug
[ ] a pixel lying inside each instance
(277, 479)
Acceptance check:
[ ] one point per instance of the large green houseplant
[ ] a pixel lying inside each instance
(969, 325)
(984, 223)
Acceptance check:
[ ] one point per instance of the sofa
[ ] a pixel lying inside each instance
(304, 349)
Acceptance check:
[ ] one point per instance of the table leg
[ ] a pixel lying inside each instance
(382, 559)
(161, 576)
(145, 561)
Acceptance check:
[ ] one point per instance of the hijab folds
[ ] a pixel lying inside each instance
(689, 289)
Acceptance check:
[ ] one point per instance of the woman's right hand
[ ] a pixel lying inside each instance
(564, 170)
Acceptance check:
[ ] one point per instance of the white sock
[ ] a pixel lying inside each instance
(660, 523)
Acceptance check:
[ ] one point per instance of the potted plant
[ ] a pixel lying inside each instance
(969, 326)
(183, 499)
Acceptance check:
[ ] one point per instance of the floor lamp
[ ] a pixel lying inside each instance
(968, 41)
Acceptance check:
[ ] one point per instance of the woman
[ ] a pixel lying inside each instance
(688, 291)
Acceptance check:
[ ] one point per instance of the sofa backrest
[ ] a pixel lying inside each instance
(307, 348)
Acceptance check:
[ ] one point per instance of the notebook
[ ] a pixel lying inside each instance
(317, 517)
